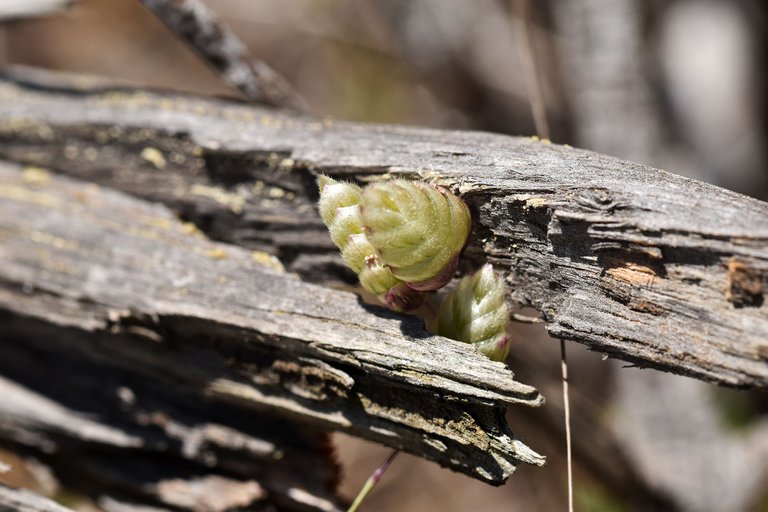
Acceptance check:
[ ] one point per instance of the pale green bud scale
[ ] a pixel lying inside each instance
(340, 209)
(418, 230)
(477, 313)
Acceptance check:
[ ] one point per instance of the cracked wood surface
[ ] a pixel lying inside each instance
(129, 286)
(638, 263)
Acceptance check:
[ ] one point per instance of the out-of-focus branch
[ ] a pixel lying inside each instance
(530, 70)
(14, 9)
(199, 27)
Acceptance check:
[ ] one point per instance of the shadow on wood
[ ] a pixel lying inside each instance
(116, 310)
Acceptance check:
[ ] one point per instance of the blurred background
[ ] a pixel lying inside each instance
(680, 85)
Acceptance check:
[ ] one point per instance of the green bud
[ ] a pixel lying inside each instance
(339, 207)
(477, 313)
(418, 230)
(334, 195)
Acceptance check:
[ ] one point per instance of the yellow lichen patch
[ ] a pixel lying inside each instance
(238, 115)
(101, 137)
(36, 176)
(266, 120)
(536, 202)
(217, 253)
(535, 138)
(267, 260)
(158, 222)
(135, 99)
(114, 131)
(41, 237)
(633, 273)
(90, 193)
(154, 156)
(26, 126)
(50, 262)
(234, 201)
(166, 104)
(71, 151)
(178, 158)
(189, 228)
(286, 163)
(91, 154)
(22, 194)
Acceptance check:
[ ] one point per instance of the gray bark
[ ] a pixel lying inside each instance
(102, 284)
(638, 263)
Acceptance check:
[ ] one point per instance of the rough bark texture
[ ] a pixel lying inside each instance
(638, 263)
(95, 279)
(615, 112)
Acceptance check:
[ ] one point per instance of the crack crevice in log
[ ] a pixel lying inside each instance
(141, 295)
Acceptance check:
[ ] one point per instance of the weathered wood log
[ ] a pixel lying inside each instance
(640, 264)
(21, 500)
(159, 445)
(123, 284)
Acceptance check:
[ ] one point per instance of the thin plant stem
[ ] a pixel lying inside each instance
(567, 407)
(530, 70)
(372, 481)
(536, 100)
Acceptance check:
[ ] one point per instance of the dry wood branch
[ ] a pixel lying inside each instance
(134, 289)
(194, 23)
(641, 264)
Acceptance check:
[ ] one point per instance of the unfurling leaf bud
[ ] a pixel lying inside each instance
(339, 207)
(334, 195)
(418, 230)
(476, 313)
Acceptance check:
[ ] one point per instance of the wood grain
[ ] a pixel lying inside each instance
(130, 289)
(637, 263)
